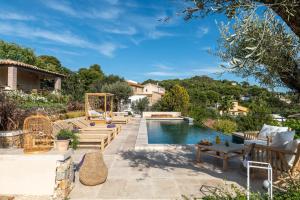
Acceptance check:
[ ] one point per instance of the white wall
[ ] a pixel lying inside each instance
(149, 114)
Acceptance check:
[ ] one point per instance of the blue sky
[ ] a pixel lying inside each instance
(125, 37)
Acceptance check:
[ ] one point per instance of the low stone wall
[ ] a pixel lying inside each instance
(163, 114)
(64, 180)
(11, 139)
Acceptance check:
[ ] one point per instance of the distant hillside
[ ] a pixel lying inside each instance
(206, 92)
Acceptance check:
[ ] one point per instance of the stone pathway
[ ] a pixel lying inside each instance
(156, 175)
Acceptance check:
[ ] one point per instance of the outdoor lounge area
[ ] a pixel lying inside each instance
(135, 173)
(150, 100)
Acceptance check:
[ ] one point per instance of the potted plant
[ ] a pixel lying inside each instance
(64, 138)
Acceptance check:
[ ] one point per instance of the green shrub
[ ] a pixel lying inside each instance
(11, 116)
(290, 192)
(67, 134)
(74, 114)
(225, 126)
(293, 124)
(201, 113)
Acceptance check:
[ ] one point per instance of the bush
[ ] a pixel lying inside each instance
(11, 116)
(225, 126)
(140, 105)
(293, 124)
(67, 134)
(200, 114)
(75, 105)
(74, 114)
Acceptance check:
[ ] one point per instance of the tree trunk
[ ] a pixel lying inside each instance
(293, 21)
(291, 79)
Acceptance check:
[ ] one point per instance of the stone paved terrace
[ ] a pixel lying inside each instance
(167, 174)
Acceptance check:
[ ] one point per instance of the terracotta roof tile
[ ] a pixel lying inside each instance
(21, 64)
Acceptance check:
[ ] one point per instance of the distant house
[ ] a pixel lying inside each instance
(150, 88)
(136, 87)
(237, 110)
(16, 75)
(245, 98)
(151, 91)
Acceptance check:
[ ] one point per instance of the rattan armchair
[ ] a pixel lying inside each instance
(37, 130)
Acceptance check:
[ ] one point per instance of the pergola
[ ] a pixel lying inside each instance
(98, 106)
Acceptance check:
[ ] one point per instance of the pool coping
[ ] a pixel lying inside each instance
(142, 141)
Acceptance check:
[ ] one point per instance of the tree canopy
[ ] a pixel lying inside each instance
(288, 10)
(176, 99)
(263, 49)
(258, 43)
(121, 90)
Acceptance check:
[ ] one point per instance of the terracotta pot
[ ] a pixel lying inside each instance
(62, 145)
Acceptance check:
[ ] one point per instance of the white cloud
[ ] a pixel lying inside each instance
(60, 6)
(208, 70)
(15, 16)
(202, 30)
(174, 72)
(127, 31)
(108, 13)
(162, 73)
(156, 34)
(106, 48)
(163, 67)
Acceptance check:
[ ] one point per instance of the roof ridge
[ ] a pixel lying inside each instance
(22, 64)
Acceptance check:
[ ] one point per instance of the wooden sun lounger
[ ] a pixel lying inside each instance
(91, 139)
(88, 138)
(119, 120)
(86, 124)
(83, 127)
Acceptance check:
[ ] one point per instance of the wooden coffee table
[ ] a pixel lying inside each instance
(220, 151)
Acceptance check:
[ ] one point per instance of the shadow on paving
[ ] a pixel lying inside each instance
(185, 159)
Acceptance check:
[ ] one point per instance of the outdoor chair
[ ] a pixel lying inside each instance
(264, 136)
(284, 161)
(86, 124)
(38, 135)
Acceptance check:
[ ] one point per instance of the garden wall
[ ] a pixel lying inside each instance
(161, 114)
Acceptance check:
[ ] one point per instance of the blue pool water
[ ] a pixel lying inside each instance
(179, 132)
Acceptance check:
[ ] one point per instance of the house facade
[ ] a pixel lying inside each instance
(16, 75)
(237, 110)
(151, 91)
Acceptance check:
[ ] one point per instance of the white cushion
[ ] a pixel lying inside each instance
(282, 138)
(268, 130)
(260, 142)
(94, 113)
(292, 146)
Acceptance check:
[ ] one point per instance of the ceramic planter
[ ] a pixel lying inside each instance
(62, 145)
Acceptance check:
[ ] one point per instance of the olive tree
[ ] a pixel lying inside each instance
(262, 48)
(121, 92)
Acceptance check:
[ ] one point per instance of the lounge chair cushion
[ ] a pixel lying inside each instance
(292, 146)
(268, 130)
(94, 113)
(281, 139)
(260, 142)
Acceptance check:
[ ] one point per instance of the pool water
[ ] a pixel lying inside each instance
(179, 132)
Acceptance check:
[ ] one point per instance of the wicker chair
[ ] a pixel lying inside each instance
(253, 135)
(282, 169)
(38, 136)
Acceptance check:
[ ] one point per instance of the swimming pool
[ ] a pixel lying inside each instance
(179, 132)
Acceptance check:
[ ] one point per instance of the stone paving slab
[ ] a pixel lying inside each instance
(166, 174)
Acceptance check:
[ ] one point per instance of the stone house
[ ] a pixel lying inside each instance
(16, 75)
(151, 91)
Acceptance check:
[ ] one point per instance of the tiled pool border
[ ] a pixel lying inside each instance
(142, 141)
